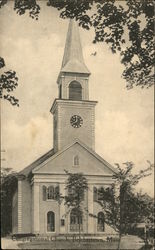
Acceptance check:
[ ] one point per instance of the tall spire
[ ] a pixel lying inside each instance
(73, 57)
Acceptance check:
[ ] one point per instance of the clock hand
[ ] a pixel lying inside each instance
(75, 120)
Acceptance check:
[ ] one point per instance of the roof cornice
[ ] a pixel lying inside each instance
(72, 102)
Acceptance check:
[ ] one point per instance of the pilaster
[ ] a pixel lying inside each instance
(19, 206)
(62, 209)
(36, 226)
(90, 210)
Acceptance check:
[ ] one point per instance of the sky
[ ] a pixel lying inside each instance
(34, 49)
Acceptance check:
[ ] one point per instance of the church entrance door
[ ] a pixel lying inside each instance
(75, 221)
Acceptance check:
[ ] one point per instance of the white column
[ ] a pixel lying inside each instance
(62, 209)
(90, 209)
(19, 206)
(36, 208)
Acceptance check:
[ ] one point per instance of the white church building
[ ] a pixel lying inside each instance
(35, 207)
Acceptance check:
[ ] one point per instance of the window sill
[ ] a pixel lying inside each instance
(51, 200)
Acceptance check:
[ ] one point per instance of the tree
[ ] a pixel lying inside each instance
(8, 187)
(126, 26)
(76, 186)
(8, 83)
(142, 206)
(120, 25)
(121, 205)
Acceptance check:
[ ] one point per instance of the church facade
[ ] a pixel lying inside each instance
(35, 207)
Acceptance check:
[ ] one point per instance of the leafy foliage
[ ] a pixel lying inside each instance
(122, 206)
(76, 186)
(8, 187)
(21, 6)
(8, 82)
(142, 206)
(3, 2)
(126, 26)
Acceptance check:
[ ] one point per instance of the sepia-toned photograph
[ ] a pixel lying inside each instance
(77, 124)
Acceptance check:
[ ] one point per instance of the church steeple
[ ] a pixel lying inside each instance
(73, 57)
(73, 112)
(73, 77)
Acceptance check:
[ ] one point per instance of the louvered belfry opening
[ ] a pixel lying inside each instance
(75, 91)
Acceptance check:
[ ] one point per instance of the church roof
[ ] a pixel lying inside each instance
(50, 155)
(73, 57)
(36, 163)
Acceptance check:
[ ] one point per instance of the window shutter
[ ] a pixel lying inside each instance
(100, 193)
(56, 192)
(95, 193)
(44, 193)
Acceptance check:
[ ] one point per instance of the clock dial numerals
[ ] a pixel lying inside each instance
(76, 121)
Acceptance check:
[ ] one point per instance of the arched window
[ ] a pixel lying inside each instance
(76, 160)
(75, 91)
(75, 220)
(100, 222)
(50, 221)
(51, 193)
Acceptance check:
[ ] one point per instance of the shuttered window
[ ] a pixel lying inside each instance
(98, 194)
(50, 193)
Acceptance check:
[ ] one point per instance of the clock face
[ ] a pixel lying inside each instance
(76, 121)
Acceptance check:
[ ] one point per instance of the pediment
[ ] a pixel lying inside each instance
(89, 162)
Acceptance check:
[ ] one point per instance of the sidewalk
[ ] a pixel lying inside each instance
(131, 242)
(7, 243)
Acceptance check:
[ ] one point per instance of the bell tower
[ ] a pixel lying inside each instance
(74, 114)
